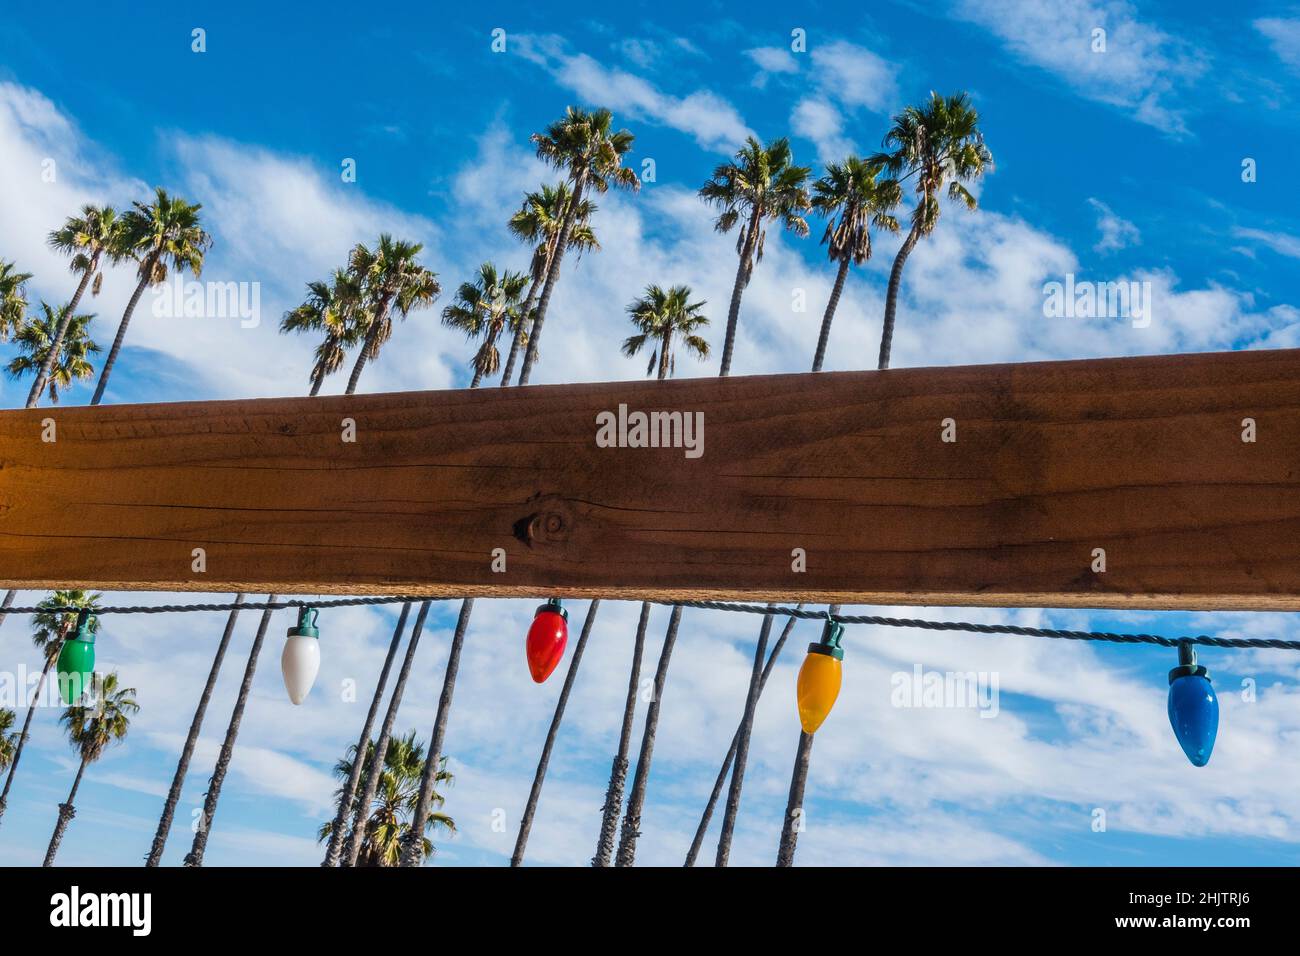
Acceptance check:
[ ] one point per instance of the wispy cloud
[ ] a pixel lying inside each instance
(1284, 36)
(1142, 68)
(1283, 243)
(1115, 232)
(702, 114)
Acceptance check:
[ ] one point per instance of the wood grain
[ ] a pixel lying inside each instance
(1142, 457)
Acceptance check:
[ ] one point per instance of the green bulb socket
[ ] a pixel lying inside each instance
(308, 617)
(830, 641)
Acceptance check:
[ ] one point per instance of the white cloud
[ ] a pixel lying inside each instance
(1284, 36)
(713, 122)
(1143, 69)
(845, 78)
(771, 59)
(1115, 232)
(1284, 244)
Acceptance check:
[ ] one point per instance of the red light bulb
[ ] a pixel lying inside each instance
(547, 637)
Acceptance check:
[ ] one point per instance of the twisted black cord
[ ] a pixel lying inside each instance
(997, 628)
(780, 611)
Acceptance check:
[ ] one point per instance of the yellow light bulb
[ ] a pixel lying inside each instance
(819, 684)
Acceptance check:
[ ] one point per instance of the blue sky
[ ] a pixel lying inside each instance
(1121, 165)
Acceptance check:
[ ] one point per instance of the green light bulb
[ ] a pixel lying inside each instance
(76, 662)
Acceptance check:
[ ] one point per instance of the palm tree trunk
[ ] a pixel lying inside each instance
(707, 815)
(338, 833)
(66, 813)
(618, 772)
(891, 296)
(478, 377)
(552, 273)
(146, 270)
(362, 812)
(742, 744)
(6, 604)
(412, 852)
(196, 725)
(380, 317)
(829, 317)
(51, 357)
(518, 338)
(636, 800)
(794, 805)
(27, 723)
(195, 856)
(317, 380)
(530, 808)
(737, 291)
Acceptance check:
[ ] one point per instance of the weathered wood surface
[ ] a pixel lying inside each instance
(1142, 457)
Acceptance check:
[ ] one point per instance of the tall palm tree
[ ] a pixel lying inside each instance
(585, 146)
(535, 793)
(330, 308)
(760, 185)
(338, 829)
(392, 282)
(613, 805)
(746, 725)
(191, 740)
(92, 725)
(798, 780)
(218, 778)
(373, 782)
(41, 338)
(413, 846)
(13, 299)
(483, 309)
(387, 814)
(631, 828)
(853, 200)
(96, 236)
(938, 143)
(162, 236)
(659, 317)
(51, 626)
(539, 222)
(8, 740)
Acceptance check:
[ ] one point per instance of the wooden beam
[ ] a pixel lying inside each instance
(1141, 457)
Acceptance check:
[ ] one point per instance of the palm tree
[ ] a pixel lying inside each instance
(483, 309)
(613, 805)
(161, 236)
(659, 316)
(98, 234)
(8, 741)
(761, 184)
(742, 732)
(387, 814)
(584, 145)
(187, 753)
(539, 221)
(331, 308)
(413, 843)
(92, 725)
(338, 829)
(218, 778)
(937, 143)
(373, 782)
(535, 793)
(51, 626)
(852, 200)
(13, 299)
(39, 338)
(631, 828)
(391, 281)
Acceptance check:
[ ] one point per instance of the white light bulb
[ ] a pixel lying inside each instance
(299, 663)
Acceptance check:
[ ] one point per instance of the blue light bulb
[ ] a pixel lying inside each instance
(1193, 708)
